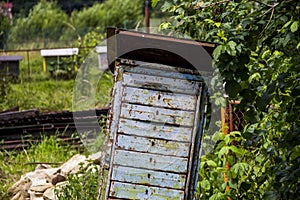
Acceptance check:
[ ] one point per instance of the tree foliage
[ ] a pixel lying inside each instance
(5, 25)
(118, 13)
(45, 20)
(258, 56)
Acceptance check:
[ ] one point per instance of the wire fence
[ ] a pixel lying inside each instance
(237, 121)
(35, 87)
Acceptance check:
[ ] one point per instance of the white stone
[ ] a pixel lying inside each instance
(49, 194)
(72, 165)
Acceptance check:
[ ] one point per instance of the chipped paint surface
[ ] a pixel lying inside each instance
(161, 83)
(134, 191)
(150, 161)
(153, 131)
(150, 145)
(159, 98)
(154, 114)
(148, 177)
(166, 71)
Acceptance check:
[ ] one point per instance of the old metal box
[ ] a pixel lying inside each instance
(156, 123)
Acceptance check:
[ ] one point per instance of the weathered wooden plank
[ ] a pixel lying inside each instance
(161, 83)
(155, 146)
(115, 108)
(159, 98)
(150, 161)
(165, 67)
(148, 177)
(152, 130)
(139, 192)
(165, 72)
(154, 114)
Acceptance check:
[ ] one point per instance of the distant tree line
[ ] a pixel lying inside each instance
(22, 7)
(65, 21)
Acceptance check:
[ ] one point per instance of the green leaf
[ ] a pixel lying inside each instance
(239, 169)
(223, 151)
(166, 6)
(218, 196)
(294, 26)
(232, 88)
(218, 51)
(255, 76)
(231, 48)
(211, 163)
(154, 3)
(205, 184)
(245, 186)
(231, 44)
(164, 26)
(209, 21)
(270, 195)
(295, 153)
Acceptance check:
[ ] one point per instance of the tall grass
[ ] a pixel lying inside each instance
(44, 95)
(15, 163)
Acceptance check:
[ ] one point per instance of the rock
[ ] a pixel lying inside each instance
(17, 196)
(42, 176)
(43, 166)
(39, 184)
(40, 188)
(23, 184)
(58, 178)
(35, 195)
(72, 165)
(95, 158)
(49, 194)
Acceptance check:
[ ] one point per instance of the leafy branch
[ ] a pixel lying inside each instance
(271, 16)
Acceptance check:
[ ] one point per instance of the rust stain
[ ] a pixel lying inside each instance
(168, 102)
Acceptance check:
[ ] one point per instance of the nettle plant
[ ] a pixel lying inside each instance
(258, 57)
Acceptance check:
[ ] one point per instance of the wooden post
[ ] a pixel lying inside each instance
(44, 65)
(147, 15)
(225, 130)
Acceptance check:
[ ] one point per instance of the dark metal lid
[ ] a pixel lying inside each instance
(156, 48)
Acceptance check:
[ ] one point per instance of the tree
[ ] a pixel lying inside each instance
(118, 13)
(258, 56)
(5, 25)
(46, 21)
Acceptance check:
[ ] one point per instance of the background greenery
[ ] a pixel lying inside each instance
(258, 56)
(47, 25)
